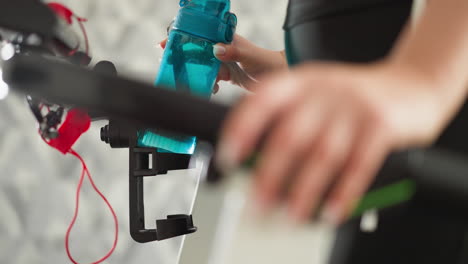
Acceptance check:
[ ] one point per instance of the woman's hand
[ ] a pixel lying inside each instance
(244, 62)
(329, 128)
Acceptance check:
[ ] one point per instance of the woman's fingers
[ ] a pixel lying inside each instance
(243, 61)
(249, 121)
(254, 60)
(328, 129)
(287, 143)
(238, 76)
(224, 73)
(239, 50)
(368, 154)
(323, 163)
(225, 52)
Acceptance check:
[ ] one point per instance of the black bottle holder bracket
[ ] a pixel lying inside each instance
(147, 162)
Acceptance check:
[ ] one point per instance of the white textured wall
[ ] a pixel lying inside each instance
(37, 184)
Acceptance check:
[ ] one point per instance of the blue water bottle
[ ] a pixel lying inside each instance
(188, 64)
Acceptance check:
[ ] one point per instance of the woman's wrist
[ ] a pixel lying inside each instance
(425, 98)
(429, 75)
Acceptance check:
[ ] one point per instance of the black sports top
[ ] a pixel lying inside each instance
(343, 30)
(300, 11)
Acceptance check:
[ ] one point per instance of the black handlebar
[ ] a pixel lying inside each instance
(439, 175)
(116, 97)
(28, 16)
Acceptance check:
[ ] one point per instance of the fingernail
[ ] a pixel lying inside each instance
(219, 50)
(331, 215)
(226, 157)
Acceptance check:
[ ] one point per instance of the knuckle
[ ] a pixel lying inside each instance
(326, 152)
(266, 99)
(288, 136)
(312, 189)
(379, 117)
(236, 127)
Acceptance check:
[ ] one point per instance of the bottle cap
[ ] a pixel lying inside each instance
(214, 27)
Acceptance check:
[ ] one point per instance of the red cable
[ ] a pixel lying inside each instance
(67, 14)
(85, 35)
(84, 172)
(75, 215)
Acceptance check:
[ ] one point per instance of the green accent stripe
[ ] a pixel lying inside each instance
(387, 196)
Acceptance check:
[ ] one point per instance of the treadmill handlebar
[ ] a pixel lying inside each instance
(116, 97)
(435, 171)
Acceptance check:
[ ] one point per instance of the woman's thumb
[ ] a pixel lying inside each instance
(226, 53)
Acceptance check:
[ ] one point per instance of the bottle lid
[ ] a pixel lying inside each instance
(214, 23)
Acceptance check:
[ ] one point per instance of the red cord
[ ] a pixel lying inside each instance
(67, 14)
(77, 204)
(85, 172)
(75, 215)
(85, 35)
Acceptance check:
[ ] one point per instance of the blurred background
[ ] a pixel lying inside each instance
(37, 184)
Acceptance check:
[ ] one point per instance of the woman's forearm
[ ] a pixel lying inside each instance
(435, 50)
(437, 47)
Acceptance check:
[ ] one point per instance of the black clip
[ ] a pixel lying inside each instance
(123, 135)
(174, 225)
